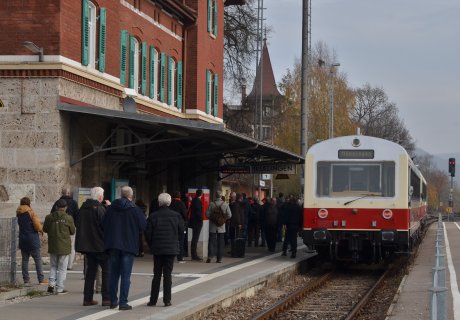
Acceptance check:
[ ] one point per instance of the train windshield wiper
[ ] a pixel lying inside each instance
(364, 196)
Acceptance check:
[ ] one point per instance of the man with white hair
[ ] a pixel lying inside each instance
(90, 241)
(163, 233)
(123, 221)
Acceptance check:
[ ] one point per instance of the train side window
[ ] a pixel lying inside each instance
(424, 192)
(415, 183)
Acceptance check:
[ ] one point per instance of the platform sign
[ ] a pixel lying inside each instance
(116, 188)
(255, 168)
(266, 176)
(81, 195)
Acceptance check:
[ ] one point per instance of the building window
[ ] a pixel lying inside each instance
(171, 82)
(90, 24)
(154, 69)
(212, 93)
(212, 17)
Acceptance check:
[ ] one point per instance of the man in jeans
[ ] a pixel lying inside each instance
(123, 221)
(59, 226)
(90, 241)
(216, 233)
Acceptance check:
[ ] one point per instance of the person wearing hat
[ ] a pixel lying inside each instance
(59, 226)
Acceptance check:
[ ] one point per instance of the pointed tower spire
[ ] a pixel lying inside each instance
(269, 87)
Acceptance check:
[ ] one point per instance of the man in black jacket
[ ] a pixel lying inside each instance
(293, 220)
(196, 223)
(162, 234)
(179, 206)
(90, 241)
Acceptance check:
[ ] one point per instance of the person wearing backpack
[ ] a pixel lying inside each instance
(218, 213)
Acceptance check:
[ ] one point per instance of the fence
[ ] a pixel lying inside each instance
(8, 247)
(438, 293)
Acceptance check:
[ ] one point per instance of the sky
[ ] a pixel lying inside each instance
(410, 48)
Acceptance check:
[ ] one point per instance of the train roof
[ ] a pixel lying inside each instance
(383, 149)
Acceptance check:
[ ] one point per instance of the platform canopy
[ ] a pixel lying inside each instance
(173, 138)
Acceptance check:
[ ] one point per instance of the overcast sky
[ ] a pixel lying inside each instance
(410, 48)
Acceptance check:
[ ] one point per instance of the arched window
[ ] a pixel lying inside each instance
(154, 69)
(92, 25)
(171, 82)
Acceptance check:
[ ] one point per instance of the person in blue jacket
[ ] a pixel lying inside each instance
(123, 221)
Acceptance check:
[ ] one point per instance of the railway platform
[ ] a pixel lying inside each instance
(196, 286)
(413, 299)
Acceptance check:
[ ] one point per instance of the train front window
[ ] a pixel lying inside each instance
(343, 179)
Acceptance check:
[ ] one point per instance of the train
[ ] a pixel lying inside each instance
(364, 199)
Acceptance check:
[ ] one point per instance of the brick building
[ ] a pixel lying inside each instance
(95, 91)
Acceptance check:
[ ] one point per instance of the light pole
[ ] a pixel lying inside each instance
(331, 98)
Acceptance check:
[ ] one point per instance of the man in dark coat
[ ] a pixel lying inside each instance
(196, 223)
(293, 220)
(90, 241)
(163, 231)
(179, 206)
(72, 209)
(123, 221)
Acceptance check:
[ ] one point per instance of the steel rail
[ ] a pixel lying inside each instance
(292, 299)
(353, 313)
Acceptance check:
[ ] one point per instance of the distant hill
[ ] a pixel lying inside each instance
(441, 162)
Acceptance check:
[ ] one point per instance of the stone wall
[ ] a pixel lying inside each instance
(32, 153)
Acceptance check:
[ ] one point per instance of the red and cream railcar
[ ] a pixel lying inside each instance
(364, 199)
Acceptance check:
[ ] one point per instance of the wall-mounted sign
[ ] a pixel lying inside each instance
(274, 168)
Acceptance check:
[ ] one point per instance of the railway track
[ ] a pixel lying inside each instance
(335, 295)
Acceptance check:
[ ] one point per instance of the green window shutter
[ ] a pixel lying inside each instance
(152, 74)
(208, 93)
(123, 48)
(132, 55)
(144, 68)
(179, 85)
(162, 76)
(216, 95)
(215, 18)
(209, 16)
(170, 78)
(102, 37)
(85, 33)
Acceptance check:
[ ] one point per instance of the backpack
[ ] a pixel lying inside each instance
(217, 215)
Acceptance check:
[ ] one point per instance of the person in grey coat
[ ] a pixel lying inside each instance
(216, 233)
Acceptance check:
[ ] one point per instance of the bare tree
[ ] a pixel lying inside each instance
(240, 42)
(378, 117)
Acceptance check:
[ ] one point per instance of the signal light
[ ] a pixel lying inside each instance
(452, 167)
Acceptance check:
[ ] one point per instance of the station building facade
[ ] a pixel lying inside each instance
(100, 92)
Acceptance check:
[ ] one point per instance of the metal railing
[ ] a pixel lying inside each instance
(438, 293)
(8, 247)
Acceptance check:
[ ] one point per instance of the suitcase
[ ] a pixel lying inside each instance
(239, 246)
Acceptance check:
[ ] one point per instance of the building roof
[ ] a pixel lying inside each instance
(269, 87)
(209, 139)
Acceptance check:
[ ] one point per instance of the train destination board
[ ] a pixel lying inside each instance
(356, 154)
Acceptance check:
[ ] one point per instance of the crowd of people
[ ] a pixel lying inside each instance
(110, 235)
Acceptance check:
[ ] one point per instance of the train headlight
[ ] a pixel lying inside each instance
(323, 213)
(387, 214)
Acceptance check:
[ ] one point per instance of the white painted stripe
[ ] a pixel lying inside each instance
(175, 275)
(181, 287)
(453, 277)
